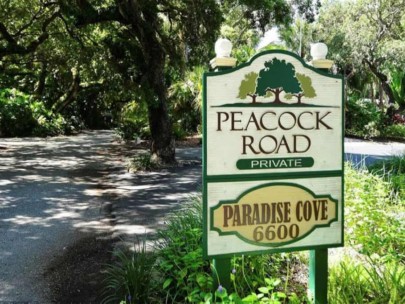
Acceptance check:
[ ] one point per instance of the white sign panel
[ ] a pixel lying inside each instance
(273, 156)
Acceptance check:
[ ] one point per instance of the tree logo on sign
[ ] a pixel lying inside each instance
(277, 77)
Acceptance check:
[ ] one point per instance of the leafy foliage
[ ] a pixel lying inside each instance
(20, 115)
(363, 118)
(277, 76)
(373, 216)
(130, 277)
(369, 282)
(133, 121)
(186, 274)
(365, 35)
(398, 86)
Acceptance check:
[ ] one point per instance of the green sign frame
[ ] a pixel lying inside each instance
(268, 177)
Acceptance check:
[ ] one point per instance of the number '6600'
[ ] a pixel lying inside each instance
(271, 232)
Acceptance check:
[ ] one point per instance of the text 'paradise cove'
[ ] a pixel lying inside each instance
(274, 214)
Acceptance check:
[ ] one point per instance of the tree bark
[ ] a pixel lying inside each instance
(40, 86)
(145, 27)
(71, 95)
(384, 81)
(162, 145)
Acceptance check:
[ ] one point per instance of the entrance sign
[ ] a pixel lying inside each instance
(273, 157)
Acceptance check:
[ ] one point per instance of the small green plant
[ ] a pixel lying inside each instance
(366, 282)
(143, 162)
(186, 274)
(392, 171)
(130, 277)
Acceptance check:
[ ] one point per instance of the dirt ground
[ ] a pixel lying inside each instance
(77, 275)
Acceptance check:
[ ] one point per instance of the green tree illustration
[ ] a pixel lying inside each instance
(248, 87)
(277, 76)
(307, 88)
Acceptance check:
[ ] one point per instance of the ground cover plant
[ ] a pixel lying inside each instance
(374, 274)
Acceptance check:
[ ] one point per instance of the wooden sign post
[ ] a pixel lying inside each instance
(272, 161)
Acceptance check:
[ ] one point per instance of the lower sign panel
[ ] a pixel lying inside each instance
(274, 216)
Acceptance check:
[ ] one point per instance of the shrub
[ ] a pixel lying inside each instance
(396, 131)
(371, 215)
(363, 118)
(20, 115)
(16, 117)
(186, 274)
(133, 122)
(47, 122)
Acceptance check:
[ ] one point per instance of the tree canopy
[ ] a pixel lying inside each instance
(365, 35)
(86, 56)
(276, 77)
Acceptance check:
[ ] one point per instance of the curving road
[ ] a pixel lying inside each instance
(56, 192)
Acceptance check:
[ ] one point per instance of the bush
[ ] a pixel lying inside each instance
(373, 215)
(186, 274)
(20, 115)
(16, 117)
(396, 131)
(133, 122)
(363, 118)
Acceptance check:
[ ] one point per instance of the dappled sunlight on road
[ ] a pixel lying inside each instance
(43, 204)
(52, 189)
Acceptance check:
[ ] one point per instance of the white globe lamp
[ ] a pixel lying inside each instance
(318, 53)
(223, 48)
(223, 59)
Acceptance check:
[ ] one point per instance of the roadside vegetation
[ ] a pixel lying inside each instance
(371, 268)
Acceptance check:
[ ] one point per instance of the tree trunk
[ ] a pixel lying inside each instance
(162, 145)
(40, 86)
(384, 81)
(277, 94)
(253, 96)
(71, 95)
(299, 96)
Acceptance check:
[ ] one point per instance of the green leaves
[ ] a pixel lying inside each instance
(20, 115)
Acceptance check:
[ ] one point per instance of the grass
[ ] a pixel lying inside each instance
(393, 171)
(367, 282)
(129, 279)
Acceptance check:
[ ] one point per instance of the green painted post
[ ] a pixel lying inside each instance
(222, 273)
(318, 275)
(318, 268)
